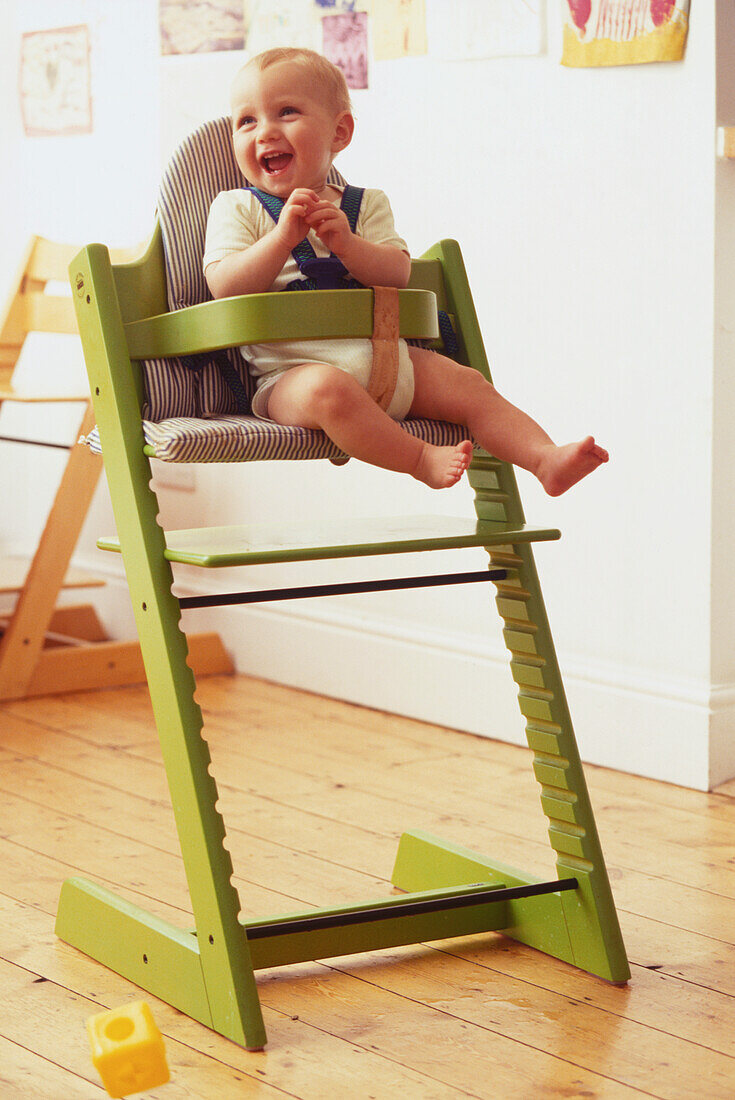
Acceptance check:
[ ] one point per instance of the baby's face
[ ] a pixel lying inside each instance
(284, 136)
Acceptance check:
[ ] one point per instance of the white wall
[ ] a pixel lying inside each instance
(585, 205)
(723, 477)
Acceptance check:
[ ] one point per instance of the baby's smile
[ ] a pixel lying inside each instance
(275, 163)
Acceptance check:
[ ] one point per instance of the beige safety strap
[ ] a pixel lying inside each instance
(386, 329)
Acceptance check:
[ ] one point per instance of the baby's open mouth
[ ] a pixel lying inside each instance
(276, 162)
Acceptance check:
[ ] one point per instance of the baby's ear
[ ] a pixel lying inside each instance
(344, 128)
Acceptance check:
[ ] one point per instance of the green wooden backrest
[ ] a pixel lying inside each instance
(141, 285)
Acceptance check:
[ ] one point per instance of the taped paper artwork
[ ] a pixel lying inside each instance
(623, 32)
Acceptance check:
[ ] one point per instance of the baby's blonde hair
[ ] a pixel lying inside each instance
(330, 80)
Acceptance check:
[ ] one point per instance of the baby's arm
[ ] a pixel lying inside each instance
(371, 263)
(376, 264)
(253, 270)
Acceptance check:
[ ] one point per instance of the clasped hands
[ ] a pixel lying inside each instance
(304, 210)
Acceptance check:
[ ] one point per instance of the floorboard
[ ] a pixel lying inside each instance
(315, 794)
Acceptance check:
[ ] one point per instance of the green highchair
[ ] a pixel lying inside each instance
(168, 382)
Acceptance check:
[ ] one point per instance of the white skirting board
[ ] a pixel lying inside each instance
(625, 722)
(674, 732)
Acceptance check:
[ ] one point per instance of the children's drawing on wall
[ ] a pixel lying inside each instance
(194, 26)
(623, 32)
(473, 29)
(345, 30)
(398, 28)
(286, 23)
(346, 46)
(334, 7)
(55, 86)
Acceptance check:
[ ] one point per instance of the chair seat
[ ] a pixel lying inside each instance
(248, 439)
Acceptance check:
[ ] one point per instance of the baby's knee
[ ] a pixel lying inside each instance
(472, 382)
(326, 389)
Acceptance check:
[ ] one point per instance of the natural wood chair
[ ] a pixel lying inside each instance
(44, 648)
(125, 320)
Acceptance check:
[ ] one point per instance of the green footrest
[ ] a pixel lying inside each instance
(211, 547)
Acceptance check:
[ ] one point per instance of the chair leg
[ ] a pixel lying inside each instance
(23, 639)
(221, 946)
(589, 912)
(215, 964)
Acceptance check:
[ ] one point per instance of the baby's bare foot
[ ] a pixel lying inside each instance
(442, 467)
(562, 467)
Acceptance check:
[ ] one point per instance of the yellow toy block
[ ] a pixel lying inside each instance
(127, 1049)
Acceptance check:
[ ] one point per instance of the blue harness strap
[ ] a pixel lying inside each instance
(320, 272)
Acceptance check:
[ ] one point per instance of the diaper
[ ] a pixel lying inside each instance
(267, 362)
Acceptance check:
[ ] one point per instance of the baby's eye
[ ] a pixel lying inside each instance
(246, 120)
(288, 111)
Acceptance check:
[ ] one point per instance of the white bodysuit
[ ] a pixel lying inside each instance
(237, 219)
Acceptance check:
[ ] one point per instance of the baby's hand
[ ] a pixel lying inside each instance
(293, 224)
(330, 225)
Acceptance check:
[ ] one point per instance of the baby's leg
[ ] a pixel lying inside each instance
(317, 395)
(446, 390)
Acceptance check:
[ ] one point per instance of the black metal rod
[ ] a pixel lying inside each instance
(347, 588)
(36, 442)
(407, 909)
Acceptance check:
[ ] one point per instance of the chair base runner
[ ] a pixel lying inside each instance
(462, 894)
(105, 664)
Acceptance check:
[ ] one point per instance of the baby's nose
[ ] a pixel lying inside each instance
(268, 126)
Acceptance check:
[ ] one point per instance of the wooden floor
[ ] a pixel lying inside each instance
(315, 794)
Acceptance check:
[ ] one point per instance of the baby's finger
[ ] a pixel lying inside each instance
(322, 214)
(303, 195)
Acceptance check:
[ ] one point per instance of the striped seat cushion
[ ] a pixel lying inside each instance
(246, 439)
